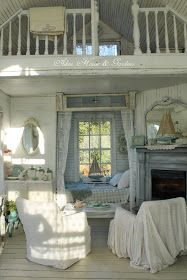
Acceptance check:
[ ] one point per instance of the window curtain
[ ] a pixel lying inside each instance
(128, 126)
(2, 182)
(63, 132)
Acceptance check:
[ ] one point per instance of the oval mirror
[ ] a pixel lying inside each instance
(30, 138)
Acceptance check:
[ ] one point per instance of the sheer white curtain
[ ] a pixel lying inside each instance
(128, 126)
(63, 132)
(2, 187)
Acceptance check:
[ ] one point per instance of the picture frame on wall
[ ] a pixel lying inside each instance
(138, 140)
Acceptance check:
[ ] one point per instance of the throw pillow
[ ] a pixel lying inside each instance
(124, 181)
(114, 181)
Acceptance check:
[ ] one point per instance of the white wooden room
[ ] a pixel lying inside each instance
(93, 155)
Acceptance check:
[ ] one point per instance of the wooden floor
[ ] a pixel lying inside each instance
(99, 264)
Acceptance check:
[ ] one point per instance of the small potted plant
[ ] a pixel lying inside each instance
(11, 215)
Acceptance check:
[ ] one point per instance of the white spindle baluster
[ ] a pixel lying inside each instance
(65, 36)
(10, 39)
(74, 34)
(19, 35)
(157, 35)
(175, 34)
(166, 32)
(185, 38)
(94, 26)
(2, 39)
(83, 35)
(28, 36)
(147, 32)
(46, 44)
(37, 45)
(55, 45)
(136, 30)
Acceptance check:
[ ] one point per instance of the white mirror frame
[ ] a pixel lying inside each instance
(30, 121)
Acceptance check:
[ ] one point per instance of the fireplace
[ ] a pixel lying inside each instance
(161, 174)
(168, 184)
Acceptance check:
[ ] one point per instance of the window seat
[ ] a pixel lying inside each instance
(96, 192)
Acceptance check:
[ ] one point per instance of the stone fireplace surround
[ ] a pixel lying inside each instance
(147, 160)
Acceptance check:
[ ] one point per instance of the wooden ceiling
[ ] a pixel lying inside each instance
(115, 13)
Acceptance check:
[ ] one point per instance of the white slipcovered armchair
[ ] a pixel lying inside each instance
(154, 237)
(52, 238)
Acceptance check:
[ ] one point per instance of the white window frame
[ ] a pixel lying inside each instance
(101, 116)
(100, 149)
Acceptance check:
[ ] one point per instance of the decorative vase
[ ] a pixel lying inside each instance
(31, 173)
(49, 174)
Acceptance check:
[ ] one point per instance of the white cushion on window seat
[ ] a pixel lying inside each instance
(114, 181)
(124, 180)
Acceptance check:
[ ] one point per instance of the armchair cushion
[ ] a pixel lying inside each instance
(152, 239)
(53, 238)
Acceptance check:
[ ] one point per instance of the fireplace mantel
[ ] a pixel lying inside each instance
(175, 159)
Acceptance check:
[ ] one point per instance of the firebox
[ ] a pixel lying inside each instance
(168, 184)
(161, 173)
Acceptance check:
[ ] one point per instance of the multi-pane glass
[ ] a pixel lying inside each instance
(95, 143)
(106, 49)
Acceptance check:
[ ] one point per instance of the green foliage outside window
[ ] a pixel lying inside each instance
(94, 142)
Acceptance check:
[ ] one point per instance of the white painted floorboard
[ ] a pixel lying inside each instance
(99, 264)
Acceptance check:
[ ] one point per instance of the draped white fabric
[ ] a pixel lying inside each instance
(53, 238)
(152, 239)
(127, 116)
(63, 132)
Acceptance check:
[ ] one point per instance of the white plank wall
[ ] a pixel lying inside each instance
(99, 264)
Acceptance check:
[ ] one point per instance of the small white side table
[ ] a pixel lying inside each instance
(92, 212)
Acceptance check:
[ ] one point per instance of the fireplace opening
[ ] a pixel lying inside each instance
(168, 184)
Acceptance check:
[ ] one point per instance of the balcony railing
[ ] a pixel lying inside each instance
(16, 38)
(161, 29)
(155, 30)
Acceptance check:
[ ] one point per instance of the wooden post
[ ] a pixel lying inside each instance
(156, 30)
(19, 36)
(65, 35)
(136, 31)
(74, 34)
(185, 39)
(83, 35)
(147, 32)
(28, 37)
(46, 44)
(166, 32)
(10, 39)
(175, 34)
(94, 25)
(37, 45)
(56, 45)
(2, 39)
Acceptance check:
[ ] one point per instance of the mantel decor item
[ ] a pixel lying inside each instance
(138, 140)
(166, 133)
(95, 171)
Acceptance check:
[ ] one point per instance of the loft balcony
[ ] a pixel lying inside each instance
(157, 45)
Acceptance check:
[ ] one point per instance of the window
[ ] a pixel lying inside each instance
(106, 49)
(95, 143)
